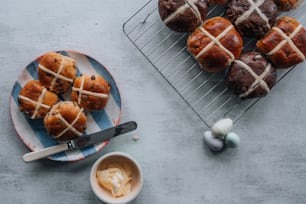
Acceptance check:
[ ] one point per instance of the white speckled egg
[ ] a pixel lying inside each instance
(213, 143)
(232, 140)
(222, 127)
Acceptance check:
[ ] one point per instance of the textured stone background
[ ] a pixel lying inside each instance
(268, 167)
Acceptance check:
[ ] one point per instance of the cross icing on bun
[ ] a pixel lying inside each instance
(56, 72)
(183, 15)
(35, 100)
(215, 44)
(91, 92)
(65, 121)
(284, 44)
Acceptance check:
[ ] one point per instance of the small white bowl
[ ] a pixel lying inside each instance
(104, 194)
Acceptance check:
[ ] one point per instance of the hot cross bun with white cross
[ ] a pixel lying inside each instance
(285, 43)
(182, 15)
(215, 44)
(56, 72)
(65, 121)
(252, 18)
(35, 100)
(286, 5)
(90, 91)
(251, 76)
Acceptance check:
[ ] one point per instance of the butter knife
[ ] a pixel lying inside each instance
(81, 141)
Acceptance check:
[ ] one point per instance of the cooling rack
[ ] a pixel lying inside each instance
(205, 93)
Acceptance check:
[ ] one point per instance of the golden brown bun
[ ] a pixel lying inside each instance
(286, 56)
(65, 111)
(53, 61)
(33, 90)
(94, 84)
(215, 59)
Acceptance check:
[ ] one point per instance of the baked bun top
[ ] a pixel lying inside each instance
(35, 100)
(251, 76)
(183, 15)
(56, 72)
(284, 44)
(90, 91)
(252, 18)
(65, 121)
(215, 44)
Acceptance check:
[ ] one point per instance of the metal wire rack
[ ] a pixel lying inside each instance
(205, 93)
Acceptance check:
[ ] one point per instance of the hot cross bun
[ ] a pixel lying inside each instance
(251, 76)
(285, 43)
(215, 44)
(218, 1)
(252, 18)
(91, 92)
(56, 72)
(65, 121)
(35, 100)
(182, 15)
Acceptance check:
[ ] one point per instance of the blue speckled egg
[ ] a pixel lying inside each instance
(215, 144)
(232, 140)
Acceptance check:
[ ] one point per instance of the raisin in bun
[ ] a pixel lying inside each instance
(65, 121)
(252, 18)
(182, 15)
(35, 100)
(284, 44)
(215, 44)
(286, 5)
(251, 76)
(56, 72)
(91, 92)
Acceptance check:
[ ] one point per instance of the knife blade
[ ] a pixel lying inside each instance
(82, 141)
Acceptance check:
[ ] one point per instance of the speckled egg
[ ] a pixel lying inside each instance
(232, 140)
(222, 127)
(215, 144)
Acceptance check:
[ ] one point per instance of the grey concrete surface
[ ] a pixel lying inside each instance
(268, 167)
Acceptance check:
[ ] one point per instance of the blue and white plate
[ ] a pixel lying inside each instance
(32, 132)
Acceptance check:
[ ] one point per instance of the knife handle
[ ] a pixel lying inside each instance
(31, 156)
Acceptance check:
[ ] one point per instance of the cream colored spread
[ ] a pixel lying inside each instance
(116, 178)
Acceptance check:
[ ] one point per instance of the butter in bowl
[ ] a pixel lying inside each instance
(116, 178)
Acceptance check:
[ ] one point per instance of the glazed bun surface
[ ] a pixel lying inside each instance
(182, 15)
(284, 44)
(251, 76)
(215, 44)
(65, 121)
(35, 100)
(56, 72)
(252, 18)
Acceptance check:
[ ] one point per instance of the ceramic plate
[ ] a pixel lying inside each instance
(32, 132)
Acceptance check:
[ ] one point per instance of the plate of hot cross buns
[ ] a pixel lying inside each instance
(61, 96)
